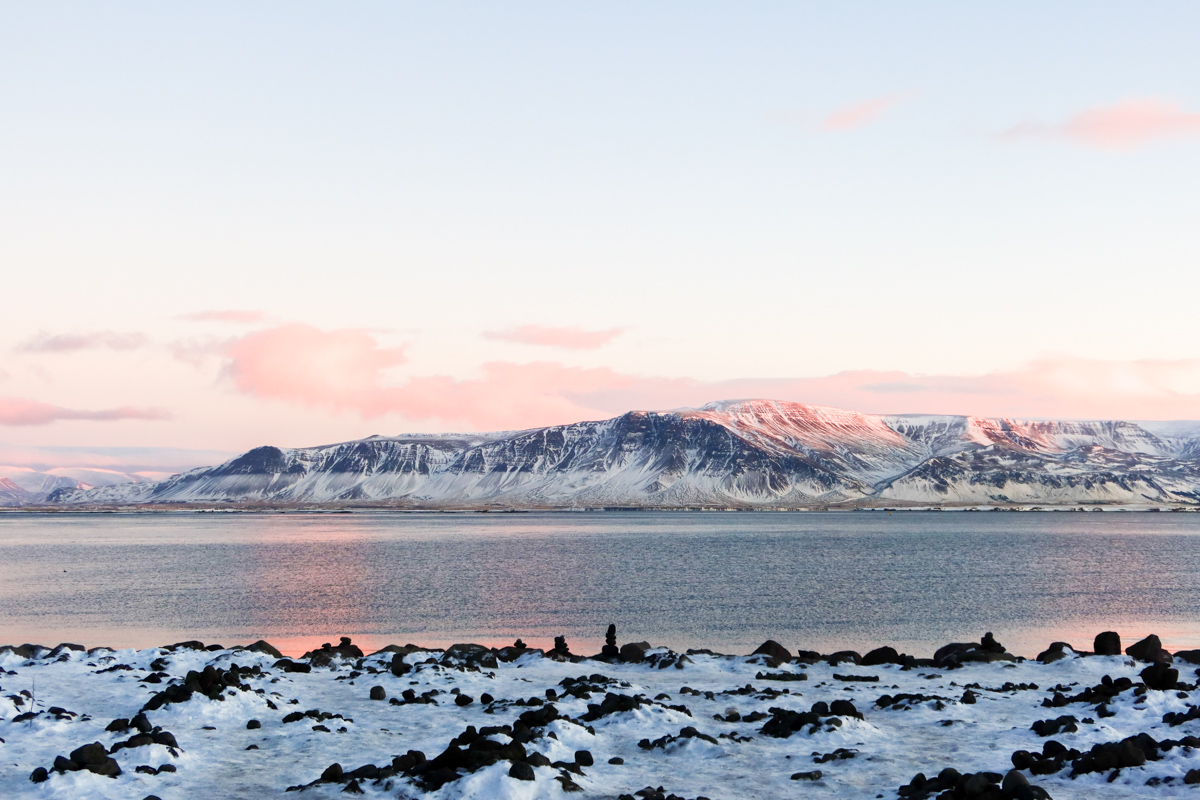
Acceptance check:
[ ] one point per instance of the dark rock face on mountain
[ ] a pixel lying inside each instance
(756, 453)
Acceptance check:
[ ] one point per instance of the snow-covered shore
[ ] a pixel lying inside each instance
(773, 725)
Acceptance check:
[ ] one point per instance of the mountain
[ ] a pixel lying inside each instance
(13, 495)
(22, 486)
(746, 453)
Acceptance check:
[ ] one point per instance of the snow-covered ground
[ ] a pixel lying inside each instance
(218, 756)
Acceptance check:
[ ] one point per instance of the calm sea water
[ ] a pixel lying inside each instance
(817, 581)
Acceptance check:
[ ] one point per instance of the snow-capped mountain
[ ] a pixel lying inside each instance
(22, 486)
(746, 453)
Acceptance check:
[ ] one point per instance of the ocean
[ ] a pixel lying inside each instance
(724, 581)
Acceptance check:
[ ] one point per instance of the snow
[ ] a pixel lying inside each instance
(892, 745)
(745, 453)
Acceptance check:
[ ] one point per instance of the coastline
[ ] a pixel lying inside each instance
(407, 721)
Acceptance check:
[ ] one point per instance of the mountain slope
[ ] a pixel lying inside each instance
(752, 453)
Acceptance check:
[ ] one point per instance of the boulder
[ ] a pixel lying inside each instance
(473, 655)
(948, 652)
(1107, 644)
(843, 656)
(1190, 656)
(882, 655)
(774, 651)
(989, 643)
(263, 647)
(1013, 780)
(634, 652)
(378, 693)
(1056, 652)
(844, 708)
(89, 754)
(1149, 650)
(521, 771)
(1160, 677)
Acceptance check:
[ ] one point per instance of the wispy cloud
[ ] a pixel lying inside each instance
(71, 342)
(570, 338)
(859, 115)
(19, 411)
(243, 317)
(348, 371)
(1122, 126)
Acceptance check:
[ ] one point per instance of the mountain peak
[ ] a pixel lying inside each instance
(756, 453)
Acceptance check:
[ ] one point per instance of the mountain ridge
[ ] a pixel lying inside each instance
(734, 453)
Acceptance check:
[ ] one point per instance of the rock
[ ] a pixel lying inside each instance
(844, 708)
(263, 647)
(332, 774)
(1013, 780)
(610, 649)
(882, 655)
(616, 761)
(189, 645)
(584, 758)
(473, 655)
(815, 775)
(521, 771)
(378, 693)
(40, 775)
(1130, 755)
(352, 787)
(463, 700)
(842, 656)
(1056, 652)
(64, 648)
(948, 653)
(1149, 650)
(773, 650)
(486, 699)
(399, 666)
(253, 725)
(969, 698)
(1160, 677)
(1107, 644)
(1190, 656)
(560, 646)
(978, 784)
(89, 754)
(287, 665)
(989, 643)
(634, 652)
(1192, 777)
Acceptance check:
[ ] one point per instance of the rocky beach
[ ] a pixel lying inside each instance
(633, 721)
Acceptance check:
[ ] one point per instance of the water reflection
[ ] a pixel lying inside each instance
(727, 581)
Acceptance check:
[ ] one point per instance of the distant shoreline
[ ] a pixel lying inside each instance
(316, 508)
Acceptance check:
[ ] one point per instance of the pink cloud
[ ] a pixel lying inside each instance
(299, 363)
(66, 343)
(570, 338)
(1125, 125)
(21, 411)
(245, 317)
(344, 371)
(858, 115)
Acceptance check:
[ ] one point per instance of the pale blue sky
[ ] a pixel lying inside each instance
(430, 172)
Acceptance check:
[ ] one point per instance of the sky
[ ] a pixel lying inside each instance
(231, 224)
